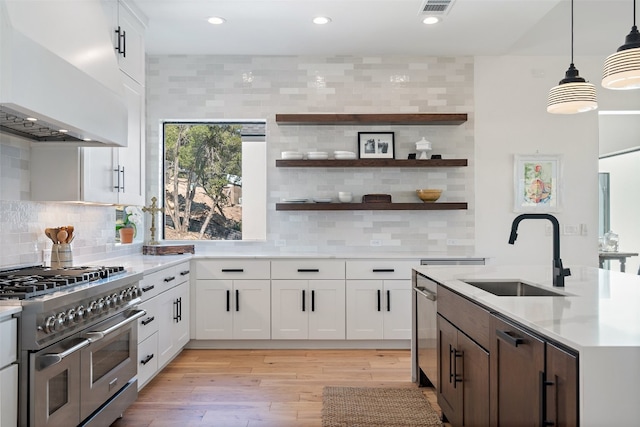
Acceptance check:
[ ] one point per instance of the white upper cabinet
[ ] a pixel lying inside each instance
(128, 26)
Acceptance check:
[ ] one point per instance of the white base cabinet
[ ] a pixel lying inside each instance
(8, 373)
(164, 330)
(232, 300)
(379, 299)
(307, 309)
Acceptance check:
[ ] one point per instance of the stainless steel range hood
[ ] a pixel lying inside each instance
(59, 79)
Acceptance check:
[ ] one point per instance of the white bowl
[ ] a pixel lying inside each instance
(345, 196)
(317, 155)
(291, 155)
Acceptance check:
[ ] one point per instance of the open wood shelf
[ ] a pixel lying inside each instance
(372, 119)
(371, 163)
(435, 206)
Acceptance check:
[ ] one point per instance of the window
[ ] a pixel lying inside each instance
(214, 180)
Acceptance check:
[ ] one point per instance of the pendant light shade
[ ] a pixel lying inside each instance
(573, 93)
(622, 69)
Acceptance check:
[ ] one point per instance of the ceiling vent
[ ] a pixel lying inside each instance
(436, 7)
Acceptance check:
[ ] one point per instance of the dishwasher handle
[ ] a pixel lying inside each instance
(425, 293)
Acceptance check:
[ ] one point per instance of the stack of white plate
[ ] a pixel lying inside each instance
(344, 155)
(291, 155)
(317, 155)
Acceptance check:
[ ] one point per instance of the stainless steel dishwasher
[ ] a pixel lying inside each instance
(424, 338)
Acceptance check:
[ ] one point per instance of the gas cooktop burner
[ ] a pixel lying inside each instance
(29, 282)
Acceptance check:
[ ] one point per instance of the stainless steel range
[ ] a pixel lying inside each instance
(77, 342)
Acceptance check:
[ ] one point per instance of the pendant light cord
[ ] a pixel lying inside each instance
(634, 1)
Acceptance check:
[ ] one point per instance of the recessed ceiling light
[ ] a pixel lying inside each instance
(430, 20)
(216, 20)
(321, 20)
(63, 131)
(86, 139)
(32, 119)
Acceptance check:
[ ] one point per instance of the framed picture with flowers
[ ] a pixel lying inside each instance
(537, 180)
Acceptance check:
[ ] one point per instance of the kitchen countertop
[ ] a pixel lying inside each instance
(599, 317)
(6, 311)
(601, 308)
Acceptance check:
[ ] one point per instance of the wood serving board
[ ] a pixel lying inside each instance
(168, 249)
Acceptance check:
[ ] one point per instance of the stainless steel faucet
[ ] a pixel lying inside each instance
(559, 272)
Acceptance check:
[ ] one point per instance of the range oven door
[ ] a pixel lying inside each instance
(109, 362)
(54, 391)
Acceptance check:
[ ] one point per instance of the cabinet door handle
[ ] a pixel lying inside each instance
(313, 300)
(388, 300)
(303, 301)
(378, 291)
(233, 270)
(117, 171)
(124, 44)
(122, 172)
(543, 400)
(119, 33)
(147, 359)
(147, 288)
(228, 300)
(175, 311)
(506, 337)
(308, 270)
(450, 363)
(237, 300)
(169, 279)
(383, 270)
(180, 309)
(456, 378)
(148, 320)
(184, 273)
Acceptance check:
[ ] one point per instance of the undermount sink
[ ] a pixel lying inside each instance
(511, 288)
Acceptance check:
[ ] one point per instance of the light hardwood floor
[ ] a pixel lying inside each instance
(252, 388)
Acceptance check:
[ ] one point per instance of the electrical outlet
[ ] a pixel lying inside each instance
(376, 243)
(570, 230)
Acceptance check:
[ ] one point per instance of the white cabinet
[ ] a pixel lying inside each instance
(164, 330)
(232, 299)
(8, 373)
(379, 299)
(308, 299)
(127, 30)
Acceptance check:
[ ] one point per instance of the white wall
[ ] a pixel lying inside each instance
(511, 118)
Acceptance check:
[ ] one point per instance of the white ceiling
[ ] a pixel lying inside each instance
(385, 27)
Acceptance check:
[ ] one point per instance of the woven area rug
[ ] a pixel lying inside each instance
(376, 407)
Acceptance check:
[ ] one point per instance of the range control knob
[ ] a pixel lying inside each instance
(115, 300)
(100, 305)
(124, 296)
(92, 308)
(49, 324)
(71, 316)
(80, 313)
(61, 320)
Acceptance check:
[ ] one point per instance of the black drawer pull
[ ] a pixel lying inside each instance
(228, 300)
(233, 270)
(388, 300)
(169, 279)
(148, 288)
(313, 300)
(237, 300)
(147, 359)
(308, 270)
(383, 270)
(378, 291)
(303, 301)
(184, 273)
(514, 341)
(148, 320)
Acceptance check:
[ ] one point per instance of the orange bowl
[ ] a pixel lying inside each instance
(429, 194)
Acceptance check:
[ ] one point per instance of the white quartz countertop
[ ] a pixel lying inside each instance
(600, 308)
(6, 311)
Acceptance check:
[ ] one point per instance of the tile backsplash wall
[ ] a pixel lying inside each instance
(22, 222)
(244, 87)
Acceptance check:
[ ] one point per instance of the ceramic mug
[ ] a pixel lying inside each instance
(345, 196)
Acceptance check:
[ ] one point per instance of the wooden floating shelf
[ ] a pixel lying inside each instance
(434, 119)
(371, 163)
(371, 206)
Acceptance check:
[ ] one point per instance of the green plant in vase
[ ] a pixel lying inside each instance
(127, 227)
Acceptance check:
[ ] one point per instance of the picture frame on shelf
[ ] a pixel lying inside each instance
(376, 145)
(537, 183)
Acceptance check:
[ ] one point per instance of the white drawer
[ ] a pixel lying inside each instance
(309, 269)
(381, 269)
(154, 283)
(147, 359)
(9, 338)
(148, 324)
(232, 269)
(183, 272)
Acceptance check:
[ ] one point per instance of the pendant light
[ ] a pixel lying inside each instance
(622, 69)
(573, 94)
